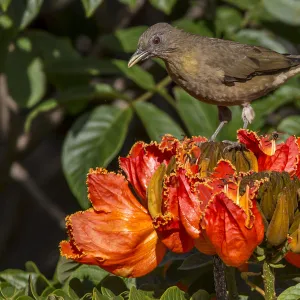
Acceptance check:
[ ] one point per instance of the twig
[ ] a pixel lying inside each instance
(231, 283)
(253, 286)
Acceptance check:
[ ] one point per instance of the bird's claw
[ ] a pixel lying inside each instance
(233, 145)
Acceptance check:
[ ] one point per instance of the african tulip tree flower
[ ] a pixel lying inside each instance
(121, 234)
(271, 156)
(180, 194)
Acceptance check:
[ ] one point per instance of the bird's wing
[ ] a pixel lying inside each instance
(242, 62)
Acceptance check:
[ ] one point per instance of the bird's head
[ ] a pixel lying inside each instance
(157, 41)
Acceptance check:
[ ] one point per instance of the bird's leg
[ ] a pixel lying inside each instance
(248, 114)
(224, 114)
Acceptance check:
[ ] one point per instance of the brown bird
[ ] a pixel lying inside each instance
(215, 71)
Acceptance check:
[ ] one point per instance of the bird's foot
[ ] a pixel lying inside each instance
(233, 145)
(221, 125)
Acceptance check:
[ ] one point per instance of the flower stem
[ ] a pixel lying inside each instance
(269, 282)
(219, 278)
(231, 283)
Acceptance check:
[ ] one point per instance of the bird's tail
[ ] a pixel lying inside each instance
(295, 59)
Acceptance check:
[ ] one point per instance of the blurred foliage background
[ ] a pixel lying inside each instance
(68, 102)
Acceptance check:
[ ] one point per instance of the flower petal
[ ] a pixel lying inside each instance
(293, 156)
(204, 245)
(293, 258)
(109, 192)
(224, 170)
(168, 225)
(121, 242)
(225, 227)
(142, 162)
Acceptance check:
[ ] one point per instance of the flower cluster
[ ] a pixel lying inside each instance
(181, 194)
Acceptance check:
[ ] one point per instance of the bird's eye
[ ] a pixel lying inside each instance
(156, 40)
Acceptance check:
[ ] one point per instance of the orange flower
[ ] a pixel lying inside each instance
(272, 156)
(119, 233)
(293, 258)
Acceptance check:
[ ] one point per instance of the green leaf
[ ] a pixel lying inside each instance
(4, 4)
(290, 125)
(25, 76)
(31, 11)
(59, 295)
(41, 108)
(131, 3)
(196, 261)
(6, 290)
(113, 285)
(292, 293)
(65, 268)
(123, 40)
(165, 6)
(90, 6)
(244, 4)
(199, 118)
(259, 38)
(156, 121)
(51, 48)
(201, 295)
(135, 294)
(17, 278)
(136, 74)
(93, 141)
(98, 296)
(266, 105)
(92, 273)
(173, 293)
(30, 298)
(228, 20)
(287, 11)
(199, 27)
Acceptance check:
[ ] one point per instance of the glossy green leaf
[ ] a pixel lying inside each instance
(156, 121)
(136, 74)
(92, 273)
(259, 38)
(287, 11)
(25, 76)
(7, 290)
(4, 4)
(201, 295)
(292, 293)
(290, 125)
(65, 268)
(17, 278)
(30, 298)
(131, 3)
(31, 11)
(173, 293)
(199, 118)
(123, 40)
(93, 141)
(90, 6)
(228, 20)
(113, 285)
(164, 5)
(199, 27)
(135, 294)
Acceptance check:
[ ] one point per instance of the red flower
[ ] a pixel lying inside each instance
(293, 258)
(231, 224)
(270, 156)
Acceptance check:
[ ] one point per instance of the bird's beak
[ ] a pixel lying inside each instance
(137, 56)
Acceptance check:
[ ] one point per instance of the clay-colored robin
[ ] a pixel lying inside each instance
(220, 72)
